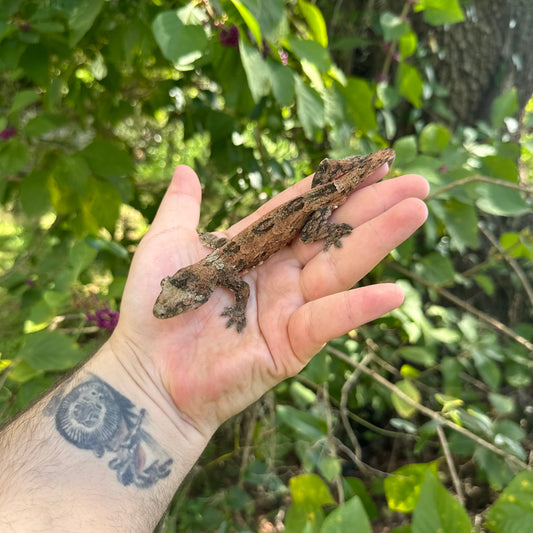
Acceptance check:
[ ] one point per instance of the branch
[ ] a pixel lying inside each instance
(451, 465)
(428, 412)
(480, 179)
(513, 263)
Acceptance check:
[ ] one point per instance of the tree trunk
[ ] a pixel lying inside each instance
(475, 60)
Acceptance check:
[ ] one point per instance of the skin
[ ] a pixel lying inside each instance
(189, 373)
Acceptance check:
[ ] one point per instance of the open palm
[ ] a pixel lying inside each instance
(299, 297)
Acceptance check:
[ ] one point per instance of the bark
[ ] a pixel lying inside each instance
(475, 60)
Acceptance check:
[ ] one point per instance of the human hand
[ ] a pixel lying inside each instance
(299, 298)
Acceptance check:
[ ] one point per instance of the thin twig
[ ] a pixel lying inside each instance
(511, 260)
(480, 179)
(471, 309)
(343, 408)
(428, 412)
(451, 465)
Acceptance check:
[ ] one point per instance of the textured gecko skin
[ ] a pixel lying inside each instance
(306, 215)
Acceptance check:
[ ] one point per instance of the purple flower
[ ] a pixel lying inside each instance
(105, 318)
(8, 132)
(229, 36)
(284, 56)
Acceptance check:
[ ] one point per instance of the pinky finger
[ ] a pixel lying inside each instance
(321, 320)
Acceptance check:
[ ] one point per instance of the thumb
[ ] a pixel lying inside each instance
(180, 206)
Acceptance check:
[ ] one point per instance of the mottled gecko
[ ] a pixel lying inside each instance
(306, 215)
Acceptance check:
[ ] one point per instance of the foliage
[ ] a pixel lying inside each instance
(99, 100)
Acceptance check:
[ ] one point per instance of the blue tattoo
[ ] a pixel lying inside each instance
(94, 416)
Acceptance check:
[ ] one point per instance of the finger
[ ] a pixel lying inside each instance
(339, 269)
(367, 204)
(316, 322)
(180, 206)
(292, 192)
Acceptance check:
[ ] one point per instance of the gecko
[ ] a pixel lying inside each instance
(306, 215)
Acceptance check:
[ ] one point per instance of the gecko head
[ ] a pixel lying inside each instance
(181, 293)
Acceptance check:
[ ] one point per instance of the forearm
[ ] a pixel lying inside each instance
(105, 450)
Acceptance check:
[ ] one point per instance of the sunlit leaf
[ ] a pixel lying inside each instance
(437, 511)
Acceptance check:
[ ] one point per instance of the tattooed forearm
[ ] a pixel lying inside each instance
(94, 416)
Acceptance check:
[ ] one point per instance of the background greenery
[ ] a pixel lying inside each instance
(420, 421)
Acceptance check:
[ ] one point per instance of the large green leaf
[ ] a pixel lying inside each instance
(403, 486)
(50, 350)
(359, 98)
(506, 105)
(183, 44)
(257, 71)
(410, 83)
(303, 423)
(315, 20)
(461, 223)
(14, 154)
(309, 108)
(344, 518)
(310, 491)
(513, 511)
(439, 12)
(437, 511)
(282, 80)
(80, 15)
(250, 21)
(393, 26)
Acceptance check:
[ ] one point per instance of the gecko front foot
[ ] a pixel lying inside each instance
(335, 234)
(236, 317)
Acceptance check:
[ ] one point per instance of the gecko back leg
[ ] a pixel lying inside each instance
(318, 227)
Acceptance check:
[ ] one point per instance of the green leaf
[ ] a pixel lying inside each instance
(419, 355)
(81, 16)
(310, 491)
(107, 160)
(302, 422)
(439, 12)
(330, 468)
(250, 21)
(494, 467)
(44, 123)
(403, 486)
(488, 369)
(461, 223)
(81, 255)
(436, 269)
(410, 83)
(34, 195)
(501, 201)
(315, 20)
(309, 108)
(513, 511)
(23, 99)
(282, 80)
(407, 44)
(50, 350)
(14, 155)
(256, 68)
(393, 26)
(404, 409)
(434, 138)
(360, 109)
(345, 516)
(506, 105)
(183, 44)
(355, 487)
(310, 51)
(437, 511)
